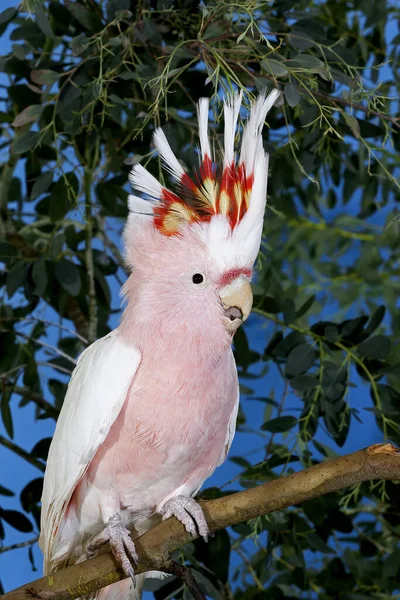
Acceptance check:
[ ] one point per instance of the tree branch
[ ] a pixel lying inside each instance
(19, 545)
(22, 453)
(35, 397)
(381, 461)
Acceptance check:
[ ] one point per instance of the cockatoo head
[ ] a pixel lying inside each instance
(192, 250)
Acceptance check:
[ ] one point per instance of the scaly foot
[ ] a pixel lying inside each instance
(188, 512)
(121, 544)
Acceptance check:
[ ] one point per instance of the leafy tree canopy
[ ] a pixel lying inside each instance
(85, 83)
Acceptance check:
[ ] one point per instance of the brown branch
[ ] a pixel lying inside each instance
(357, 106)
(19, 545)
(22, 453)
(35, 397)
(381, 461)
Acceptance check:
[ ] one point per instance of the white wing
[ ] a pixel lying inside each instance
(95, 396)
(230, 434)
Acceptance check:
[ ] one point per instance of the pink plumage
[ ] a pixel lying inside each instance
(151, 408)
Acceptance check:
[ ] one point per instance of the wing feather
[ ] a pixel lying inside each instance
(230, 434)
(95, 396)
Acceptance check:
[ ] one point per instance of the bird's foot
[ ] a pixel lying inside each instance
(188, 512)
(122, 546)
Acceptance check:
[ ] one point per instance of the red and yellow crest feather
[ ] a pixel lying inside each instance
(212, 190)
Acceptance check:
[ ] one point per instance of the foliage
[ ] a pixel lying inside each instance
(86, 83)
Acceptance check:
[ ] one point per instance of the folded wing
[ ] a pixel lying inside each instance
(95, 396)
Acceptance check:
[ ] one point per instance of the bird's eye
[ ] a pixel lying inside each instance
(197, 278)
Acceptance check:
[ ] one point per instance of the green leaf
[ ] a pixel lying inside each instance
(292, 94)
(6, 412)
(39, 276)
(5, 492)
(280, 424)
(42, 184)
(274, 67)
(378, 347)
(45, 76)
(67, 274)
(42, 20)
(85, 17)
(215, 29)
(300, 359)
(63, 193)
(7, 14)
(41, 448)
(317, 544)
(285, 346)
(309, 62)
(353, 124)
(78, 44)
(215, 554)
(25, 141)
(17, 520)
(306, 306)
(270, 305)
(303, 383)
(375, 320)
(30, 495)
(28, 115)
(16, 277)
(370, 130)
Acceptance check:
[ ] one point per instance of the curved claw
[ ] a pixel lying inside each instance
(122, 546)
(188, 512)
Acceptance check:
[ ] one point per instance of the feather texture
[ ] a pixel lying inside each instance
(145, 182)
(83, 426)
(171, 163)
(231, 112)
(202, 117)
(210, 192)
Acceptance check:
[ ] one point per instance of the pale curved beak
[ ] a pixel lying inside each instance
(237, 300)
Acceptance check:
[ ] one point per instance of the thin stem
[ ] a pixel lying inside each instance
(22, 453)
(38, 399)
(48, 346)
(92, 329)
(30, 542)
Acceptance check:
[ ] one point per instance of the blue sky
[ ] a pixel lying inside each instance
(15, 473)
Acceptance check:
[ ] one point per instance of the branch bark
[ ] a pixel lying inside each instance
(36, 462)
(381, 461)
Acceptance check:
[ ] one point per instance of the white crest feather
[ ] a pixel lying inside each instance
(164, 149)
(143, 181)
(231, 112)
(202, 117)
(251, 140)
(139, 205)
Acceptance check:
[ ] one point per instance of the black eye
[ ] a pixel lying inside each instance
(197, 278)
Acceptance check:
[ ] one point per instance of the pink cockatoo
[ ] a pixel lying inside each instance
(151, 408)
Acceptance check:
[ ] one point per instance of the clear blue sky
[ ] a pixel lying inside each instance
(15, 473)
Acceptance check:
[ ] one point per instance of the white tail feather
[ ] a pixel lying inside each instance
(145, 182)
(231, 112)
(169, 158)
(202, 117)
(251, 140)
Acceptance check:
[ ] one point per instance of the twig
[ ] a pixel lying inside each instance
(187, 577)
(63, 327)
(92, 329)
(155, 547)
(48, 346)
(43, 363)
(22, 453)
(25, 392)
(19, 545)
(357, 106)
